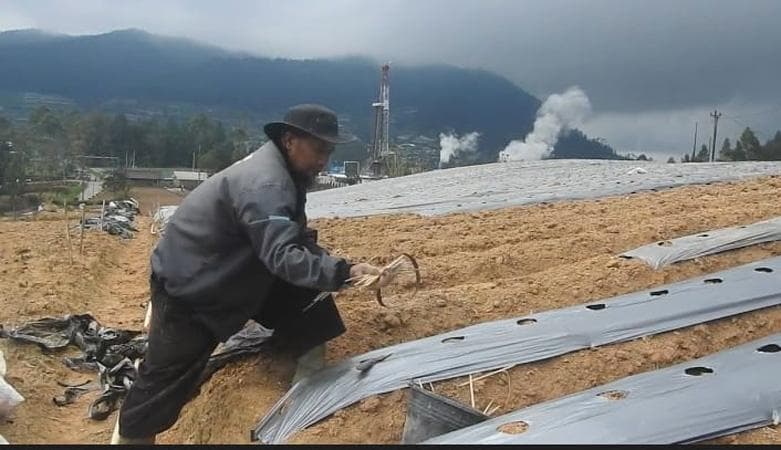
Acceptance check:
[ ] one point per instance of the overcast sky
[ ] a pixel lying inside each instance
(650, 68)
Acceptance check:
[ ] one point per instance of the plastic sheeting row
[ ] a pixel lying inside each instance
(502, 185)
(724, 393)
(660, 254)
(521, 340)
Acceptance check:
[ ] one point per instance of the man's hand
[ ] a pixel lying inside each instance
(361, 269)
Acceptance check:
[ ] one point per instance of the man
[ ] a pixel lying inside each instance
(236, 249)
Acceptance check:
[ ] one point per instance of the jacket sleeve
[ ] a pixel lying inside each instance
(311, 242)
(268, 217)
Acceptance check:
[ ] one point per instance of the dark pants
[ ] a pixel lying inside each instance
(180, 346)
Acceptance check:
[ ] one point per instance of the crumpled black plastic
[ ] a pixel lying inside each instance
(117, 219)
(104, 349)
(113, 354)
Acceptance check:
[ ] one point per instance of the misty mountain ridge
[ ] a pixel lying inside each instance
(134, 66)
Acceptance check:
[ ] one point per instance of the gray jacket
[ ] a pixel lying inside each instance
(234, 235)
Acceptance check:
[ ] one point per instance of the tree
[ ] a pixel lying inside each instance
(176, 145)
(671, 160)
(703, 155)
(14, 171)
(38, 115)
(740, 153)
(574, 144)
(46, 143)
(686, 158)
(242, 145)
(5, 126)
(117, 183)
(726, 153)
(772, 150)
(5, 159)
(119, 137)
(750, 144)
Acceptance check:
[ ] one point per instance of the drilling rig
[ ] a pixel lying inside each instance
(379, 151)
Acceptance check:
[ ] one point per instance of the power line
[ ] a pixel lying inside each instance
(767, 111)
(742, 124)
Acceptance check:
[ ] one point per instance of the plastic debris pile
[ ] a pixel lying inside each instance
(117, 219)
(114, 354)
(110, 352)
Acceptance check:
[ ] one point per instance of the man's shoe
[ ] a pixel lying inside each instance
(117, 439)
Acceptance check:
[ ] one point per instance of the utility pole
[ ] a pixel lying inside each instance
(195, 157)
(715, 114)
(694, 147)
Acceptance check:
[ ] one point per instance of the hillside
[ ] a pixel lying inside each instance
(131, 70)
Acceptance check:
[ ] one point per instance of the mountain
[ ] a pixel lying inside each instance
(21, 37)
(133, 65)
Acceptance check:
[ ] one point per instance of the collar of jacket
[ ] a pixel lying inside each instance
(300, 185)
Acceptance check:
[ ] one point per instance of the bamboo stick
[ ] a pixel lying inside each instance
(67, 231)
(81, 244)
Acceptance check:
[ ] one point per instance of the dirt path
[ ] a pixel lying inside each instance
(110, 282)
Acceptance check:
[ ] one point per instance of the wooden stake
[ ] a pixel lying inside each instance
(81, 251)
(503, 369)
(509, 388)
(471, 390)
(67, 231)
(102, 211)
(148, 317)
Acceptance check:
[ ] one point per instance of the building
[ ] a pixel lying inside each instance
(189, 179)
(150, 176)
(165, 177)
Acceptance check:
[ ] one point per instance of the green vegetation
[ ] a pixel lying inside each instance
(747, 148)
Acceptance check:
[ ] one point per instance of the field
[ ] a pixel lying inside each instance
(477, 266)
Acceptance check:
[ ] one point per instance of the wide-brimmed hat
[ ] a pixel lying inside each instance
(316, 120)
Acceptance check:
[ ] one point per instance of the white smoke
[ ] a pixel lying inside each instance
(558, 113)
(451, 145)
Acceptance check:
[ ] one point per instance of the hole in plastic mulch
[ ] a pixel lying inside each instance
(697, 371)
(527, 321)
(516, 427)
(769, 348)
(614, 395)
